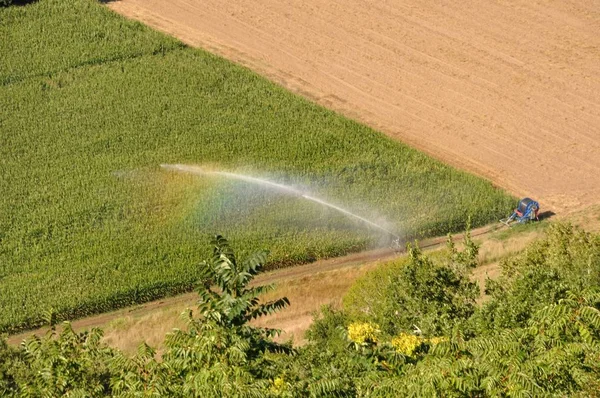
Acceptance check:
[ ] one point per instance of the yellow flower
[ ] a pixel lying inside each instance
(278, 385)
(406, 343)
(363, 332)
(437, 340)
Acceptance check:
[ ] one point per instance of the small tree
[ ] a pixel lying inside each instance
(220, 354)
(236, 303)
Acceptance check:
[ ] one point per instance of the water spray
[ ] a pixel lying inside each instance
(280, 187)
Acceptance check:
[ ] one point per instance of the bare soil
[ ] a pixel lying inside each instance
(509, 90)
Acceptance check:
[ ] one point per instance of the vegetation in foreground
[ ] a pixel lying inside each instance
(93, 103)
(539, 335)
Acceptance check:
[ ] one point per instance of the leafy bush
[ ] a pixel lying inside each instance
(548, 345)
(326, 326)
(566, 260)
(9, 356)
(418, 293)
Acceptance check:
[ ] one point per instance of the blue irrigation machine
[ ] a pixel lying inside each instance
(527, 210)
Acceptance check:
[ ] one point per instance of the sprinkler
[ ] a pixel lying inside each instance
(282, 188)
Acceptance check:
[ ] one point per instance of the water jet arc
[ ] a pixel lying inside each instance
(280, 187)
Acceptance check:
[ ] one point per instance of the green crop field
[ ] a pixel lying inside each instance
(92, 104)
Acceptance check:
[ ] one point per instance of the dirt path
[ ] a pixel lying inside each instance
(283, 275)
(182, 301)
(311, 285)
(509, 90)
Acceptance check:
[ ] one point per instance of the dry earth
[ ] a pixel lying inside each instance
(507, 89)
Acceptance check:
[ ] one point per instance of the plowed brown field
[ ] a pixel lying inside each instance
(509, 90)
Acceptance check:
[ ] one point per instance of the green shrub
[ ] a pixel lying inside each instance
(568, 259)
(422, 292)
